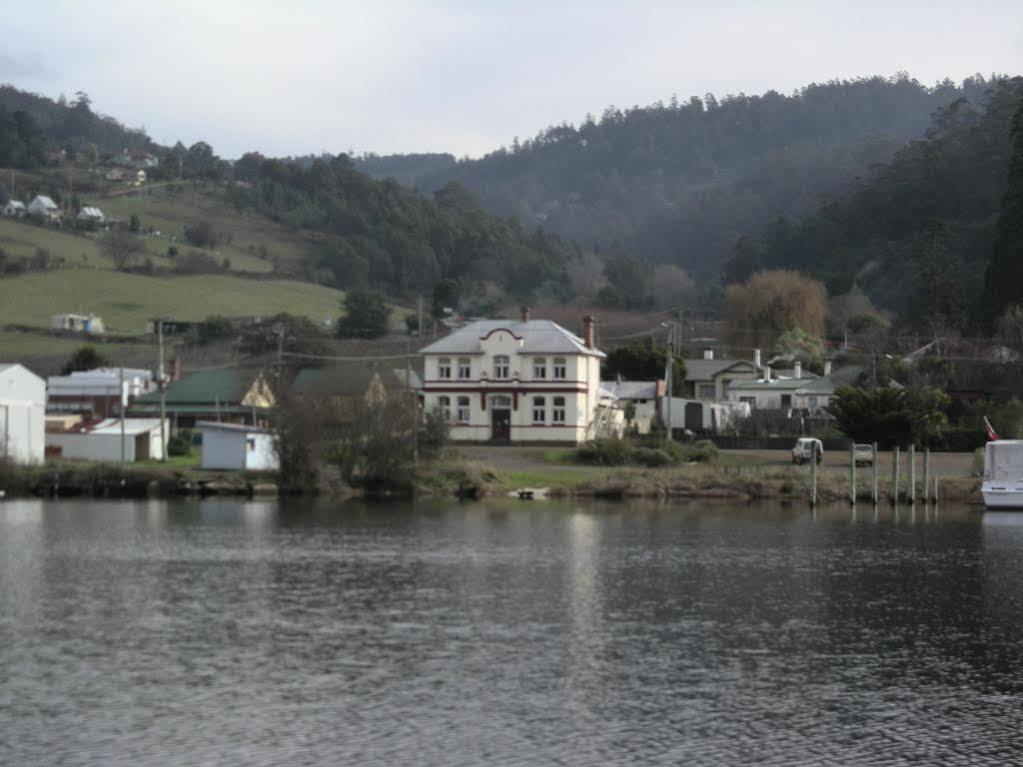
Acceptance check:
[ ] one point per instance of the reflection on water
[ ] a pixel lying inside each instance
(223, 632)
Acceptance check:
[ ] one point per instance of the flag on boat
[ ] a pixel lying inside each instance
(989, 431)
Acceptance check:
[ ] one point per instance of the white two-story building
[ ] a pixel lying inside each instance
(516, 381)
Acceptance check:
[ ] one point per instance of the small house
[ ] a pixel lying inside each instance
(22, 414)
(137, 439)
(15, 209)
(97, 393)
(44, 209)
(89, 324)
(91, 215)
(708, 378)
(238, 395)
(771, 392)
(237, 446)
(639, 396)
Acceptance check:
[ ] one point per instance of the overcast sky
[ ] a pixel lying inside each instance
(462, 76)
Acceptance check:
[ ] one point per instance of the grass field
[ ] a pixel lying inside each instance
(126, 301)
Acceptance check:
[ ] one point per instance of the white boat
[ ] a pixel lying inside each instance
(1003, 474)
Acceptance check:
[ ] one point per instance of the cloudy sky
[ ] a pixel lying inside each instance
(465, 76)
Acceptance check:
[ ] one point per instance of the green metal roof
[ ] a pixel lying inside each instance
(227, 386)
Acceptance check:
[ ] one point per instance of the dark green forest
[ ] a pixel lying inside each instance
(918, 232)
(383, 234)
(681, 182)
(73, 122)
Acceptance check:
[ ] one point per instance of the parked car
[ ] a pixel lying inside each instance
(802, 452)
(863, 455)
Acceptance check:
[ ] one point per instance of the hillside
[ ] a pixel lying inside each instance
(680, 182)
(918, 233)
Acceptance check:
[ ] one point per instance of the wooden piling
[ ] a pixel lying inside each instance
(912, 474)
(927, 475)
(813, 474)
(873, 474)
(852, 474)
(895, 474)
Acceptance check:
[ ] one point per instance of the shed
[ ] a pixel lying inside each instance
(237, 446)
(43, 207)
(101, 441)
(22, 414)
(91, 215)
(15, 209)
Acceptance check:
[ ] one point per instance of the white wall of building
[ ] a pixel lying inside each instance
(224, 447)
(22, 415)
(103, 444)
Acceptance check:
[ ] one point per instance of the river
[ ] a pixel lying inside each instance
(524, 633)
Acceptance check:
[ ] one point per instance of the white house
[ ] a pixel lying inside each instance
(77, 323)
(642, 395)
(15, 209)
(97, 392)
(22, 414)
(771, 392)
(516, 381)
(141, 439)
(237, 446)
(45, 208)
(91, 215)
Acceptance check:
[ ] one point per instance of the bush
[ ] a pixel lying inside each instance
(652, 457)
(179, 444)
(605, 452)
(433, 433)
(703, 451)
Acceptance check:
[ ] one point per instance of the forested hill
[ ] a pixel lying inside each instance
(381, 234)
(62, 122)
(918, 234)
(680, 182)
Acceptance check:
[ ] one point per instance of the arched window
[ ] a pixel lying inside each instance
(444, 403)
(539, 410)
(560, 368)
(539, 368)
(444, 367)
(464, 412)
(464, 368)
(500, 401)
(558, 411)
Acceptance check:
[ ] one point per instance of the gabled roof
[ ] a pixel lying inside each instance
(775, 384)
(352, 379)
(705, 370)
(538, 337)
(15, 204)
(45, 201)
(824, 385)
(90, 212)
(631, 390)
(228, 387)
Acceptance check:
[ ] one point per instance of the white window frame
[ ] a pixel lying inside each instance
(502, 367)
(444, 367)
(560, 368)
(558, 411)
(539, 368)
(706, 391)
(540, 410)
(464, 368)
(444, 403)
(464, 410)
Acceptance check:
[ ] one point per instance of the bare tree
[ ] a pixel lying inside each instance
(122, 247)
(773, 302)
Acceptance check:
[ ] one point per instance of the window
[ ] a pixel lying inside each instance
(540, 367)
(559, 368)
(501, 367)
(705, 391)
(464, 367)
(751, 401)
(813, 403)
(250, 444)
(444, 404)
(444, 367)
(558, 410)
(463, 410)
(539, 410)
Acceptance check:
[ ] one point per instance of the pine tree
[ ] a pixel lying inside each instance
(1004, 278)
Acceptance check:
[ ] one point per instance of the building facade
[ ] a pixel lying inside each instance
(516, 382)
(237, 446)
(22, 415)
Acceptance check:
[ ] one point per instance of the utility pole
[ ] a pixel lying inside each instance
(161, 382)
(121, 378)
(280, 374)
(669, 365)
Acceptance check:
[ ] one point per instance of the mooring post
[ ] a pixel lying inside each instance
(873, 473)
(935, 492)
(913, 474)
(927, 475)
(895, 474)
(852, 474)
(813, 474)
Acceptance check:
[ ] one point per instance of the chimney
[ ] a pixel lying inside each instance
(756, 357)
(767, 372)
(175, 369)
(525, 313)
(590, 325)
(708, 354)
(797, 370)
(827, 367)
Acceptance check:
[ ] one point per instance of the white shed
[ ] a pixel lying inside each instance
(91, 215)
(102, 441)
(43, 207)
(15, 209)
(237, 446)
(22, 414)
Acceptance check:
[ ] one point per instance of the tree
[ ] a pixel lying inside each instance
(446, 296)
(122, 247)
(376, 448)
(1004, 277)
(366, 315)
(86, 357)
(745, 261)
(301, 336)
(672, 287)
(201, 234)
(772, 302)
(797, 344)
(643, 361)
(889, 415)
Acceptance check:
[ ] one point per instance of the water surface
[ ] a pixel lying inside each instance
(214, 632)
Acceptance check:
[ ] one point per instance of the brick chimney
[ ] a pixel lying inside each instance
(175, 369)
(797, 369)
(525, 313)
(590, 334)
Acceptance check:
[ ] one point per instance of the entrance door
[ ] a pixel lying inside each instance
(500, 425)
